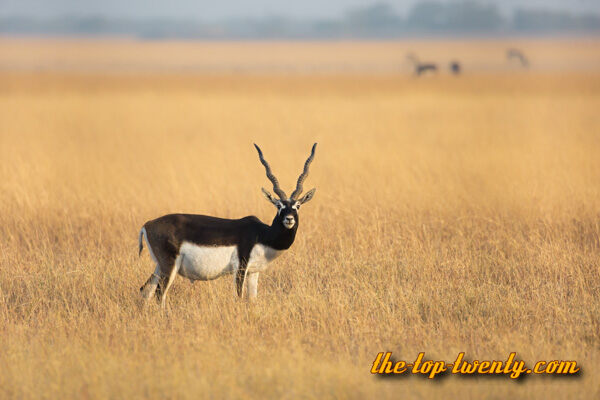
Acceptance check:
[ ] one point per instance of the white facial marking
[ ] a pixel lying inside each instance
(289, 221)
(280, 206)
(296, 206)
(207, 262)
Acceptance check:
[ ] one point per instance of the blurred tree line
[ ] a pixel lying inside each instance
(376, 21)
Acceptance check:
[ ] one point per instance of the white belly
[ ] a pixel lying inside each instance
(261, 256)
(205, 263)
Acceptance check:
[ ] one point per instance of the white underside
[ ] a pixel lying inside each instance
(206, 263)
(261, 256)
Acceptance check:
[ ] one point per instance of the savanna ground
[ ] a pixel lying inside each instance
(451, 214)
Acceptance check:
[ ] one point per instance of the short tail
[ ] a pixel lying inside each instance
(141, 240)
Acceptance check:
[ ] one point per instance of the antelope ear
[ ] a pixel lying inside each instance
(269, 196)
(307, 196)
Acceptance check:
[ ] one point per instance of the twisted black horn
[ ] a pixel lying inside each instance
(274, 181)
(304, 174)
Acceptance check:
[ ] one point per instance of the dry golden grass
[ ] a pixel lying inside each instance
(450, 215)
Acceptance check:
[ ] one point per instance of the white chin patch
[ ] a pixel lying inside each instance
(289, 224)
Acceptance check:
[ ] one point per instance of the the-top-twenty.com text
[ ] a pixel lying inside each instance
(384, 364)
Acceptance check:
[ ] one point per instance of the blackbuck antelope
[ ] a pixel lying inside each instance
(199, 247)
(516, 54)
(455, 67)
(421, 68)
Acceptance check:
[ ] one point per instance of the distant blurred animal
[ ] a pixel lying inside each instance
(421, 68)
(455, 67)
(516, 54)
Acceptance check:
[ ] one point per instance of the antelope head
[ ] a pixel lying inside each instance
(287, 207)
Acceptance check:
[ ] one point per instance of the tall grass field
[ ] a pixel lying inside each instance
(452, 214)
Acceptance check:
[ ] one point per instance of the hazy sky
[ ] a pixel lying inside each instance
(212, 10)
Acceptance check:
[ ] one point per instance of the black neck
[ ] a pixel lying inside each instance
(277, 236)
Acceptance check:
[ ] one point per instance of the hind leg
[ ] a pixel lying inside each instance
(149, 288)
(165, 255)
(152, 287)
(168, 281)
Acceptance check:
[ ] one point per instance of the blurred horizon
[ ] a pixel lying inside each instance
(267, 19)
(211, 11)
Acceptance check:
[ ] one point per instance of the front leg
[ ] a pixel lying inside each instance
(240, 276)
(252, 285)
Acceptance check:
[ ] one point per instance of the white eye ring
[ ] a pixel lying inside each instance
(280, 206)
